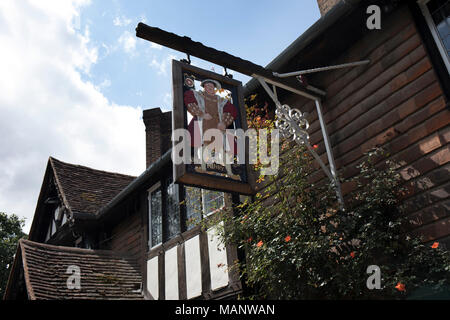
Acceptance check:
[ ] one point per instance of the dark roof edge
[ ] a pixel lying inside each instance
(13, 272)
(26, 274)
(59, 187)
(78, 166)
(75, 250)
(153, 168)
(320, 26)
(35, 223)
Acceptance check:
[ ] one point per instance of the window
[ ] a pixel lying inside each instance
(212, 201)
(164, 212)
(166, 220)
(437, 16)
(201, 201)
(193, 206)
(155, 215)
(173, 209)
(55, 223)
(63, 220)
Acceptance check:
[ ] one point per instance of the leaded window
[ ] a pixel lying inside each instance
(155, 215)
(166, 217)
(173, 209)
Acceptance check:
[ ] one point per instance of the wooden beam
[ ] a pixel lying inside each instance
(197, 49)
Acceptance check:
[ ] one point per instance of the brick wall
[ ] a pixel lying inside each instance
(158, 130)
(326, 5)
(396, 102)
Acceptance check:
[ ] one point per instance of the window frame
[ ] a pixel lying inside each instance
(432, 26)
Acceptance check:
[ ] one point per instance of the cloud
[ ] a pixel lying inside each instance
(121, 21)
(46, 107)
(104, 84)
(161, 65)
(128, 42)
(167, 101)
(155, 46)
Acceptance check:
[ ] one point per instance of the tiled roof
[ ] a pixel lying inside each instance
(86, 190)
(103, 274)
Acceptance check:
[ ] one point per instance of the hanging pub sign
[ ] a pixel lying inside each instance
(208, 110)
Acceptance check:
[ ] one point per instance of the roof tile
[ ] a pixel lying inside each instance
(86, 190)
(104, 274)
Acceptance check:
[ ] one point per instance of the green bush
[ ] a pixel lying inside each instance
(10, 233)
(299, 245)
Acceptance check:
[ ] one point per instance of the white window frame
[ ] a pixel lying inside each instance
(437, 39)
(150, 191)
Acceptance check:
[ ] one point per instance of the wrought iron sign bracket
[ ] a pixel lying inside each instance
(292, 124)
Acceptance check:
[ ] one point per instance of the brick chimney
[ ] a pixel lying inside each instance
(326, 5)
(158, 131)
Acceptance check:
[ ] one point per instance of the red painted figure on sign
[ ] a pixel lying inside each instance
(209, 111)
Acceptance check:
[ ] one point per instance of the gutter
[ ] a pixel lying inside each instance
(325, 22)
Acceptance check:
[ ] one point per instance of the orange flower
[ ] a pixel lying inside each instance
(287, 239)
(259, 244)
(352, 254)
(400, 287)
(435, 245)
(249, 239)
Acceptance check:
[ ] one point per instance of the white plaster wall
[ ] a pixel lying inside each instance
(217, 260)
(171, 274)
(193, 267)
(152, 277)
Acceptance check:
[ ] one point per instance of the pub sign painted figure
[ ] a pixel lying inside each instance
(210, 107)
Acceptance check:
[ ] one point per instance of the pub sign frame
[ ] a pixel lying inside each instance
(184, 77)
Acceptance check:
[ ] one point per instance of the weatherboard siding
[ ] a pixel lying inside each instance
(396, 102)
(128, 235)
